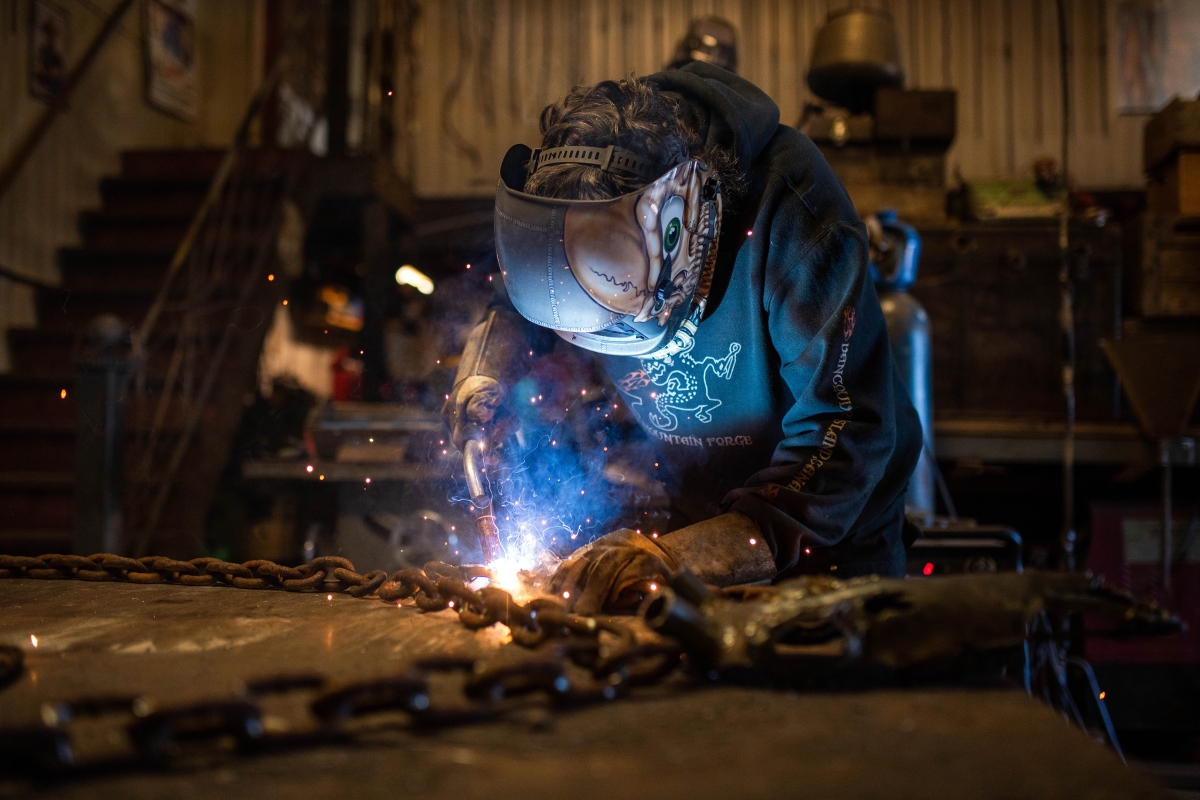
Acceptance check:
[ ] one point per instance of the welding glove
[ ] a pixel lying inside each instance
(614, 572)
(477, 408)
(498, 352)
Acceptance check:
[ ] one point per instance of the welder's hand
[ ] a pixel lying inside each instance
(612, 572)
(478, 407)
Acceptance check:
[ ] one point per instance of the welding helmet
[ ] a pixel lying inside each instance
(625, 276)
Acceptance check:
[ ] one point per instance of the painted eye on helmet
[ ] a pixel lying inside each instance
(671, 220)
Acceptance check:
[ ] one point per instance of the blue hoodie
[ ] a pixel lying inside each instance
(787, 409)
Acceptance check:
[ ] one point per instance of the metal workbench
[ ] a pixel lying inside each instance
(179, 643)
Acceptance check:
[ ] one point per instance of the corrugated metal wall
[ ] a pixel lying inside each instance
(107, 114)
(487, 67)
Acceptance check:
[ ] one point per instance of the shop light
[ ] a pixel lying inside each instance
(408, 275)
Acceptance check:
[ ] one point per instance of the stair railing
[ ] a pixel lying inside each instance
(210, 314)
(20, 156)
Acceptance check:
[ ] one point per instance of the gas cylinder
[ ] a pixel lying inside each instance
(895, 255)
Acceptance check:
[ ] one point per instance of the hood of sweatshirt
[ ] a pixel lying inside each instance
(722, 108)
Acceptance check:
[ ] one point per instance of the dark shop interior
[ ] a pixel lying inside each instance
(600, 399)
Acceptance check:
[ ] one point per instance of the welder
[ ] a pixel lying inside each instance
(711, 259)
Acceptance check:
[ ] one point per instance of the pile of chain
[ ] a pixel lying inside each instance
(565, 660)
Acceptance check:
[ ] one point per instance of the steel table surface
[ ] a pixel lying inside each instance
(175, 643)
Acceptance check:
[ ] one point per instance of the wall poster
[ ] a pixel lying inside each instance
(171, 57)
(49, 48)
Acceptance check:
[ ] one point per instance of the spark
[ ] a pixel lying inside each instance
(285, 302)
(566, 595)
(1103, 695)
(808, 551)
(368, 480)
(328, 597)
(654, 587)
(33, 640)
(321, 478)
(749, 233)
(270, 277)
(63, 394)
(308, 468)
(468, 266)
(754, 541)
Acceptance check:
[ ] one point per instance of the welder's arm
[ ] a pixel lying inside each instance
(612, 573)
(499, 352)
(826, 324)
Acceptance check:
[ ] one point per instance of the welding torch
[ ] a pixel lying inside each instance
(474, 458)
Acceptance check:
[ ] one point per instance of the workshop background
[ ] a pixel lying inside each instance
(241, 244)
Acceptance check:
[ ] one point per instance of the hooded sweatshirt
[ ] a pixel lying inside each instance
(787, 408)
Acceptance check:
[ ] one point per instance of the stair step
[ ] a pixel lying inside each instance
(34, 542)
(197, 164)
(138, 233)
(25, 397)
(52, 351)
(37, 446)
(63, 309)
(36, 351)
(133, 197)
(36, 500)
(83, 270)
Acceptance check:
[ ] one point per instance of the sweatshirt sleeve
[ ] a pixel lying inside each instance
(826, 325)
(504, 344)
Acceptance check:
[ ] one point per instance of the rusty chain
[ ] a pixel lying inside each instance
(564, 673)
(567, 662)
(436, 587)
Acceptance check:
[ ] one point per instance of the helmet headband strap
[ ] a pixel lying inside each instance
(608, 159)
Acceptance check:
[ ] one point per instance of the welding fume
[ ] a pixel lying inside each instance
(713, 264)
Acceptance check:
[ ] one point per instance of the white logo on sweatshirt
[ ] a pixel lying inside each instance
(681, 385)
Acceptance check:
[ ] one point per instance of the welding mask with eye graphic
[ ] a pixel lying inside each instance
(625, 276)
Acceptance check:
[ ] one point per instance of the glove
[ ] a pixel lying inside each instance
(614, 572)
(496, 354)
(477, 407)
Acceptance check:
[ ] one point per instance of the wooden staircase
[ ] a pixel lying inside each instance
(126, 248)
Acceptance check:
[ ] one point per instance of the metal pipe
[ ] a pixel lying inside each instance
(1164, 456)
(1067, 299)
(474, 458)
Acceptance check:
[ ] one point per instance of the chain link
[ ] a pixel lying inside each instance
(569, 659)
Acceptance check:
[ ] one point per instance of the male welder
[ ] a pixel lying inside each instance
(713, 261)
